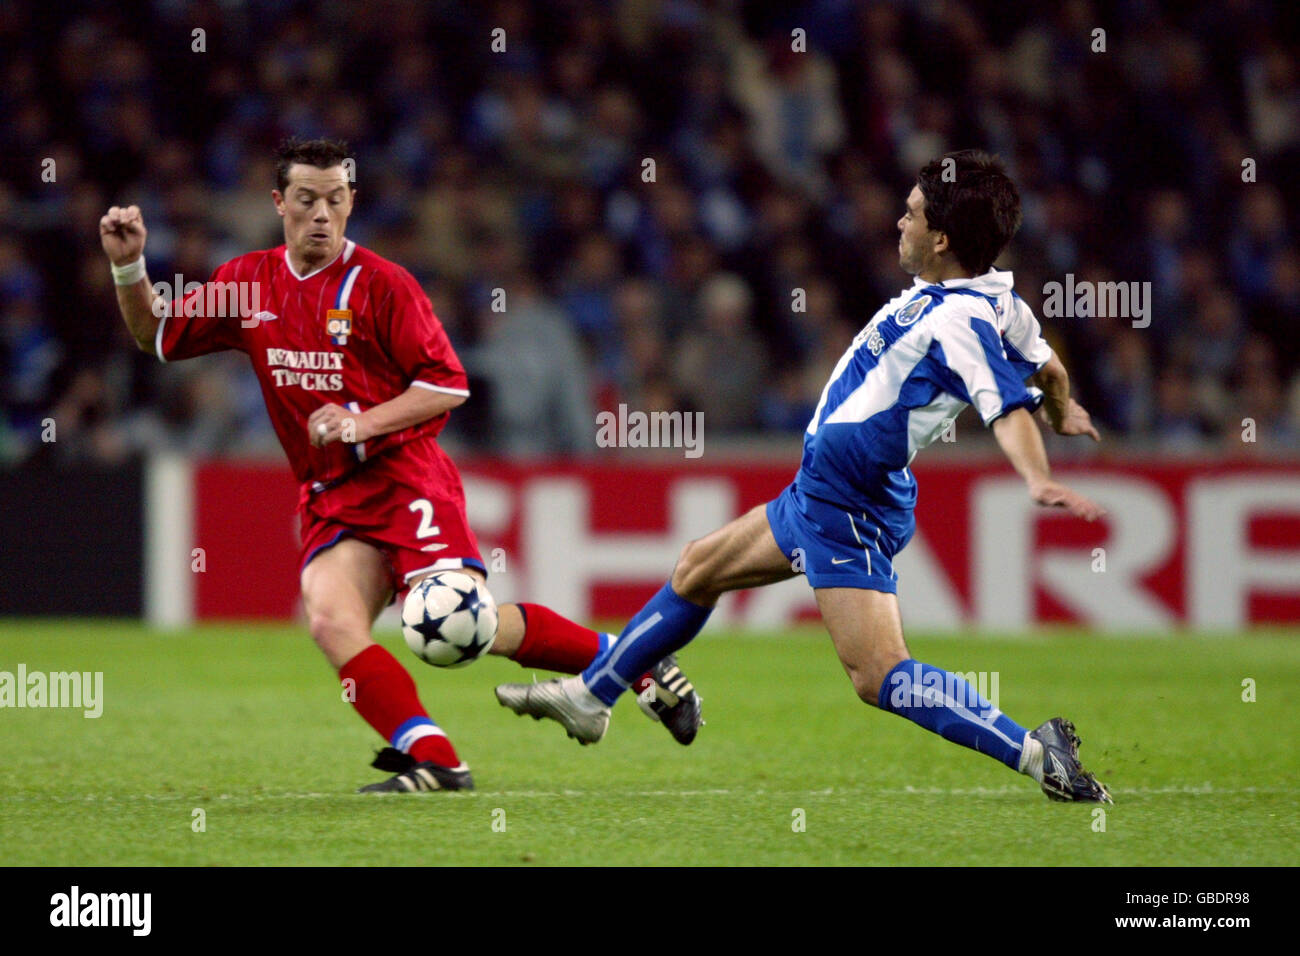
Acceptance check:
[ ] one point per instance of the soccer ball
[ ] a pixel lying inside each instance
(449, 619)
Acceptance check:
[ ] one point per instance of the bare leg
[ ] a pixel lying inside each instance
(741, 554)
(344, 588)
(867, 632)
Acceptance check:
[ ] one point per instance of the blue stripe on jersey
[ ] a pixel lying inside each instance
(896, 388)
(864, 361)
(1010, 384)
(1023, 366)
(947, 380)
(1017, 357)
(341, 298)
(345, 288)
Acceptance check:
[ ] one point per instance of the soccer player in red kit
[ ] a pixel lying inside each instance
(359, 378)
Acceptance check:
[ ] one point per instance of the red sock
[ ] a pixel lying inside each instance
(554, 643)
(385, 696)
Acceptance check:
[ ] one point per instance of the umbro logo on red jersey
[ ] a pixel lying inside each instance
(257, 319)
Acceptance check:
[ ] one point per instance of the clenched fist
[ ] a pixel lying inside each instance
(121, 233)
(336, 423)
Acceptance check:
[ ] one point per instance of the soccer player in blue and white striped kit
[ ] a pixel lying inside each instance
(958, 336)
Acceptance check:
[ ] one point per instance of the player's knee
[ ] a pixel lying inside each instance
(325, 624)
(867, 686)
(340, 635)
(868, 680)
(691, 575)
(510, 630)
(321, 623)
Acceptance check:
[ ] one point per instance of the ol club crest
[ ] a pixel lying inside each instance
(338, 323)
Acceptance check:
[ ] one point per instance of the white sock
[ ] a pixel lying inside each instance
(585, 700)
(1031, 758)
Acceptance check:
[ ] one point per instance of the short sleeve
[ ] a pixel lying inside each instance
(206, 320)
(978, 370)
(1026, 348)
(417, 341)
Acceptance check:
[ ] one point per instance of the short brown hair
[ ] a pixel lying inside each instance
(321, 153)
(978, 206)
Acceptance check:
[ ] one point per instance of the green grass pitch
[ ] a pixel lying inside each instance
(248, 725)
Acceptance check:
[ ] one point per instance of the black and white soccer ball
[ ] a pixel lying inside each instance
(449, 619)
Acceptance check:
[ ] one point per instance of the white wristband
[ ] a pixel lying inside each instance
(129, 274)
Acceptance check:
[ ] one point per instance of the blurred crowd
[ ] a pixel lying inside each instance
(724, 277)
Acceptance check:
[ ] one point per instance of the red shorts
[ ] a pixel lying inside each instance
(408, 503)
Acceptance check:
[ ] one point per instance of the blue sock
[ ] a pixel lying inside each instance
(942, 702)
(666, 623)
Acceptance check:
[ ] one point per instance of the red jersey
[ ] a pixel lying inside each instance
(356, 332)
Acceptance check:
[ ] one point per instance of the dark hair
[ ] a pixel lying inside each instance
(976, 204)
(321, 153)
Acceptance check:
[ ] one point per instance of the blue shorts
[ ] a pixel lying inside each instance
(837, 547)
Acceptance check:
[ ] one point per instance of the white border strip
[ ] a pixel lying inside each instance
(349, 281)
(441, 388)
(442, 564)
(168, 532)
(158, 340)
(359, 448)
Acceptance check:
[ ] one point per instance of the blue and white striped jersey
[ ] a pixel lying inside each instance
(926, 355)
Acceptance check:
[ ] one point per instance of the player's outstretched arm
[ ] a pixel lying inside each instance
(415, 405)
(122, 234)
(1064, 414)
(1022, 443)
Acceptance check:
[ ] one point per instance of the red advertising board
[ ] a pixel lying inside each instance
(1214, 547)
(245, 519)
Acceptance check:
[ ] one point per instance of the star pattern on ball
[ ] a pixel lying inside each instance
(430, 627)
